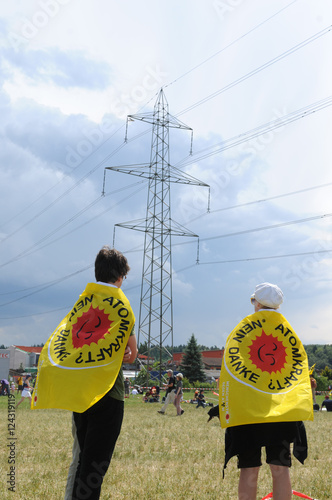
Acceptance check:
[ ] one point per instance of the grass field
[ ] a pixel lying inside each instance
(156, 457)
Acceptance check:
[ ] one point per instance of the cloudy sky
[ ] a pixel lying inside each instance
(71, 71)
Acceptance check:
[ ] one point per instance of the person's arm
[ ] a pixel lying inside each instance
(131, 350)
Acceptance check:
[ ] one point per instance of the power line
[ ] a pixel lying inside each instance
(69, 190)
(36, 246)
(283, 224)
(48, 285)
(248, 259)
(258, 69)
(264, 228)
(241, 205)
(45, 193)
(258, 131)
(229, 261)
(229, 45)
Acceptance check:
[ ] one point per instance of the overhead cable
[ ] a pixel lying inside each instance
(258, 69)
(257, 131)
(229, 45)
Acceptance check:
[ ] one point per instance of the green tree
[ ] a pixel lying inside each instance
(191, 364)
(143, 348)
(322, 384)
(327, 373)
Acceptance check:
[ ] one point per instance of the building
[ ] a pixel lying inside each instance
(4, 363)
(24, 357)
(211, 361)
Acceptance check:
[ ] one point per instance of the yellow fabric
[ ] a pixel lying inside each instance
(311, 371)
(81, 360)
(264, 375)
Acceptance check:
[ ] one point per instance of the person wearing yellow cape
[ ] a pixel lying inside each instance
(80, 369)
(264, 395)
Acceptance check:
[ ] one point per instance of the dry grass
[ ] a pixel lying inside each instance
(156, 456)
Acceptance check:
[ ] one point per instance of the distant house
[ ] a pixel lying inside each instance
(25, 357)
(145, 360)
(211, 361)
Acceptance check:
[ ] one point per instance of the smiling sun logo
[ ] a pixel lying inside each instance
(267, 353)
(90, 327)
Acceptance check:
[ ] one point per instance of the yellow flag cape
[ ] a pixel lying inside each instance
(264, 375)
(81, 360)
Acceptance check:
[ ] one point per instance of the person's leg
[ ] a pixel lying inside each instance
(177, 404)
(249, 461)
(282, 488)
(73, 466)
(248, 483)
(180, 411)
(20, 401)
(167, 401)
(279, 460)
(171, 397)
(97, 431)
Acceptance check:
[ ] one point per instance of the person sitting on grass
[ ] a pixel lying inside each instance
(327, 403)
(201, 399)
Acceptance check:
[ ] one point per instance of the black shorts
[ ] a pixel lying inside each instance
(275, 455)
(246, 442)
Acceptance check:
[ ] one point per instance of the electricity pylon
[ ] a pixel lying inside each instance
(156, 305)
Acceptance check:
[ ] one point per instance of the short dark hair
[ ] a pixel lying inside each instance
(110, 265)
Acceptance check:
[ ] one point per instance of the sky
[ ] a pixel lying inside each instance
(71, 72)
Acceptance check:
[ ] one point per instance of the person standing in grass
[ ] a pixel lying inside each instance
(80, 369)
(19, 384)
(170, 392)
(126, 386)
(178, 394)
(26, 391)
(264, 393)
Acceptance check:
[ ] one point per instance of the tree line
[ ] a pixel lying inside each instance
(319, 355)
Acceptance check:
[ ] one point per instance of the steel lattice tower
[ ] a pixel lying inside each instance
(156, 305)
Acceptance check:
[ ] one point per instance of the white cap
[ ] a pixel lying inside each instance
(268, 295)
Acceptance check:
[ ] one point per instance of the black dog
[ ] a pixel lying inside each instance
(214, 412)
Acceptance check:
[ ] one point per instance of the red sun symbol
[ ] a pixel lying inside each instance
(268, 353)
(90, 327)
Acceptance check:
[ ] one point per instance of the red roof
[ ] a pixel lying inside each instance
(209, 358)
(177, 356)
(213, 354)
(25, 348)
